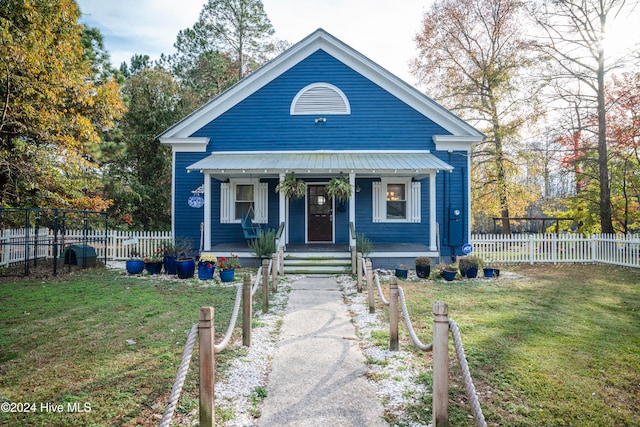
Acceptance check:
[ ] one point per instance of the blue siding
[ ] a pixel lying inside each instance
(187, 219)
(378, 119)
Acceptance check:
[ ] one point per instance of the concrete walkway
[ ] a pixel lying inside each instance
(317, 376)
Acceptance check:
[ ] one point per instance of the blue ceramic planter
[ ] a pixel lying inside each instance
(449, 275)
(227, 275)
(169, 264)
(401, 273)
(153, 267)
(185, 268)
(135, 266)
(206, 270)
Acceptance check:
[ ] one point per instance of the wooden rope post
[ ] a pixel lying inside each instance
(265, 285)
(370, 285)
(353, 259)
(359, 268)
(246, 310)
(207, 367)
(440, 364)
(393, 314)
(274, 273)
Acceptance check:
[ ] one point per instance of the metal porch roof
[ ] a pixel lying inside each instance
(372, 163)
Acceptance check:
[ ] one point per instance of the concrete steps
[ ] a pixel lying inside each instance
(317, 263)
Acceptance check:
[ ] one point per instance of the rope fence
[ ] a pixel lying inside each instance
(439, 346)
(205, 331)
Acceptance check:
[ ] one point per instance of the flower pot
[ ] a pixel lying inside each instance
(153, 267)
(206, 270)
(423, 271)
(185, 268)
(169, 264)
(135, 266)
(401, 273)
(227, 275)
(488, 272)
(472, 272)
(449, 275)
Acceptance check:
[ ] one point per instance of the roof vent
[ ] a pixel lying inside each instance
(320, 98)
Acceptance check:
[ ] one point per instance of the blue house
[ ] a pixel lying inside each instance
(322, 110)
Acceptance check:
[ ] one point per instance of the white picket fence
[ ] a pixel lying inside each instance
(17, 245)
(621, 250)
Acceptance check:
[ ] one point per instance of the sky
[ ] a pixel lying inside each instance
(382, 30)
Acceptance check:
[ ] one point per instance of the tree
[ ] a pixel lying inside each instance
(51, 108)
(472, 60)
(139, 175)
(238, 27)
(574, 33)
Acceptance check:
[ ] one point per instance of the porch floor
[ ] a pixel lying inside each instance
(378, 249)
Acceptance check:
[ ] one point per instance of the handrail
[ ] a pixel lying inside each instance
(440, 365)
(232, 323)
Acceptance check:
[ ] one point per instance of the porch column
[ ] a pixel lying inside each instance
(352, 200)
(207, 212)
(433, 246)
(282, 216)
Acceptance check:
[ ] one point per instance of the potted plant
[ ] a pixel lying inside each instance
(153, 262)
(339, 188)
(448, 272)
(206, 266)
(264, 245)
(363, 244)
(135, 264)
(469, 266)
(170, 255)
(402, 271)
(423, 266)
(228, 267)
(292, 187)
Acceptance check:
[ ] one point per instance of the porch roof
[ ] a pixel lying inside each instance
(362, 163)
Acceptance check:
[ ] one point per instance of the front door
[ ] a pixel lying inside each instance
(319, 214)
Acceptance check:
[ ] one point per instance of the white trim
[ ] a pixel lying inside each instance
(328, 107)
(186, 145)
(321, 40)
(432, 212)
(207, 212)
(455, 143)
(413, 193)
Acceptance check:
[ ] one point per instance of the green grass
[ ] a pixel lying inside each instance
(559, 347)
(65, 341)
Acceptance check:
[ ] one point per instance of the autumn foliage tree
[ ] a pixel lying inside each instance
(51, 108)
(472, 60)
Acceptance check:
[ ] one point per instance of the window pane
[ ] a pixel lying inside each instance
(244, 193)
(396, 201)
(244, 201)
(395, 192)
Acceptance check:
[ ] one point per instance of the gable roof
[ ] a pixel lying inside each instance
(320, 39)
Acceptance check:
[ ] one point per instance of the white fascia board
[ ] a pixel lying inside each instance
(186, 145)
(342, 52)
(456, 143)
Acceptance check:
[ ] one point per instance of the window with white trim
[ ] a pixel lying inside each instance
(396, 200)
(241, 196)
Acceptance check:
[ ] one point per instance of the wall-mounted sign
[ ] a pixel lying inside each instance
(196, 201)
(467, 248)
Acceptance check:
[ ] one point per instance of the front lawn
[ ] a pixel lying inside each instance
(559, 346)
(103, 345)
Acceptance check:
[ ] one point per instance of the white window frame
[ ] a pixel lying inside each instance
(412, 198)
(228, 200)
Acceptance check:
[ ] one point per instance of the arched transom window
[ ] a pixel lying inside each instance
(320, 98)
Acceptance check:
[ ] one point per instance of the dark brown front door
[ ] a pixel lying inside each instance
(320, 214)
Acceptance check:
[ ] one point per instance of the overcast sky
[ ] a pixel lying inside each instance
(382, 30)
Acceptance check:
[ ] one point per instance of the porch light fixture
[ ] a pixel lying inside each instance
(320, 119)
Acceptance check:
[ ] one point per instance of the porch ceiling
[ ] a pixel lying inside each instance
(362, 163)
